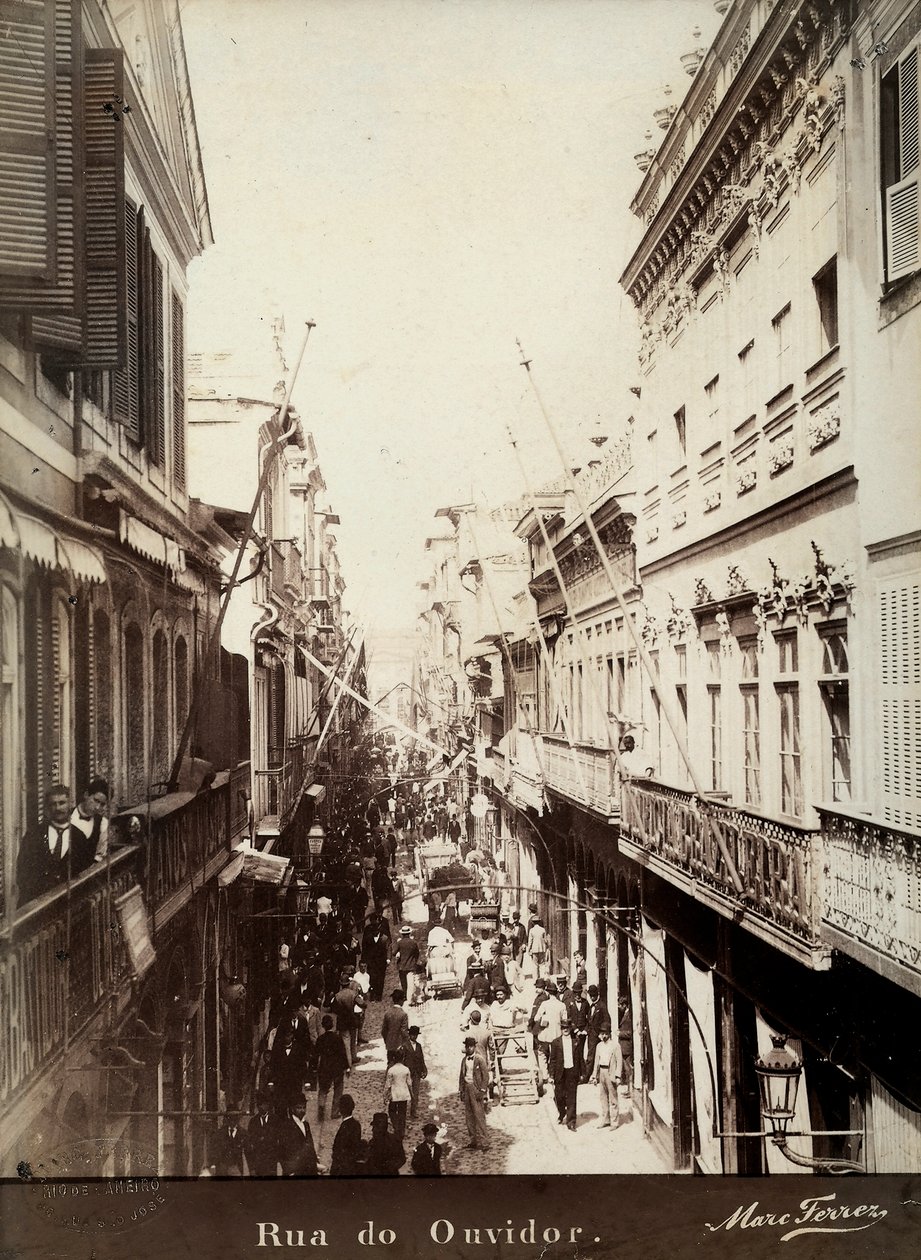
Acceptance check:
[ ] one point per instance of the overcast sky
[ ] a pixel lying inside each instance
(429, 180)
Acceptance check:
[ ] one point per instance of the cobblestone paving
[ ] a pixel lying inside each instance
(525, 1138)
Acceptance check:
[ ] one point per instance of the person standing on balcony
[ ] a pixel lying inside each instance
(634, 762)
(44, 858)
(91, 826)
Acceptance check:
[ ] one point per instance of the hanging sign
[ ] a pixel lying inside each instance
(132, 918)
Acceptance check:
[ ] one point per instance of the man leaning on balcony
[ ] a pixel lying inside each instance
(51, 853)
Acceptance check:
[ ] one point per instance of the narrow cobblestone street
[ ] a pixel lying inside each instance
(525, 1138)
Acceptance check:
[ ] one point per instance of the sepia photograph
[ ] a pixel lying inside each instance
(460, 627)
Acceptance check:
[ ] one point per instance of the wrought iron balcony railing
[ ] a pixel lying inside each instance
(65, 959)
(779, 864)
(872, 885)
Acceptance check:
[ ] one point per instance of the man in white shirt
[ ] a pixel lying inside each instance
(548, 1019)
(634, 762)
(607, 1071)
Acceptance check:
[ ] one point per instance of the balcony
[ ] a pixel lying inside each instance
(278, 784)
(64, 965)
(583, 773)
(286, 574)
(674, 833)
(873, 894)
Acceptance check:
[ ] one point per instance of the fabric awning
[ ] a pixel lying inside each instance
(265, 868)
(49, 547)
(9, 536)
(148, 542)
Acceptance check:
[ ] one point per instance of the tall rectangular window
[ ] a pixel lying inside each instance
(681, 432)
(833, 684)
(751, 722)
(783, 348)
(712, 392)
(825, 285)
(788, 702)
(747, 372)
(715, 716)
(901, 176)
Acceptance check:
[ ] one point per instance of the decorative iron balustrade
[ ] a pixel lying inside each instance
(583, 772)
(873, 883)
(65, 958)
(779, 864)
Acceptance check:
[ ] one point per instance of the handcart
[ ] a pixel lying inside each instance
(441, 971)
(516, 1069)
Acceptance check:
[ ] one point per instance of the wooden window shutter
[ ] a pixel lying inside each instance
(900, 700)
(106, 284)
(56, 308)
(27, 142)
(158, 433)
(127, 382)
(903, 199)
(178, 383)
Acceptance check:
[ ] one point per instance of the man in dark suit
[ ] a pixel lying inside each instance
(375, 951)
(597, 1016)
(348, 1148)
(565, 1071)
(287, 1068)
(261, 1141)
(426, 1160)
(228, 1148)
(296, 1149)
(45, 856)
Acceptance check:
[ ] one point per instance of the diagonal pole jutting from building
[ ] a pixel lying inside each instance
(665, 700)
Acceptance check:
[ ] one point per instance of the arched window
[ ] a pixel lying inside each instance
(102, 694)
(9, 721)
(62, 708)
(181, 683)
(134, 697)
(160, 709)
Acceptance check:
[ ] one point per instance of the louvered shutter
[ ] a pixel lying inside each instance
(106, 286)
(178, 383)
(126, 386)
(157, 443)
(27, 141)
(900, 700)
(903, 199)
(56, 308)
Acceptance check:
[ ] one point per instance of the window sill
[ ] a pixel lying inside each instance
(898, 298)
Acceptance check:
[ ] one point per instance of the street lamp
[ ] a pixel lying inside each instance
(778, 1072)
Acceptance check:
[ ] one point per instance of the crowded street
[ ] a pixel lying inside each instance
(524, 1138)
(460, 593)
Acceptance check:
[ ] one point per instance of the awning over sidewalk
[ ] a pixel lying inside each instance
(49, 545)
(265, 868)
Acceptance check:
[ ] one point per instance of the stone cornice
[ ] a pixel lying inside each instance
(734, 166)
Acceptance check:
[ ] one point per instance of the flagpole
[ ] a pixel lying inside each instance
(664, 700)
